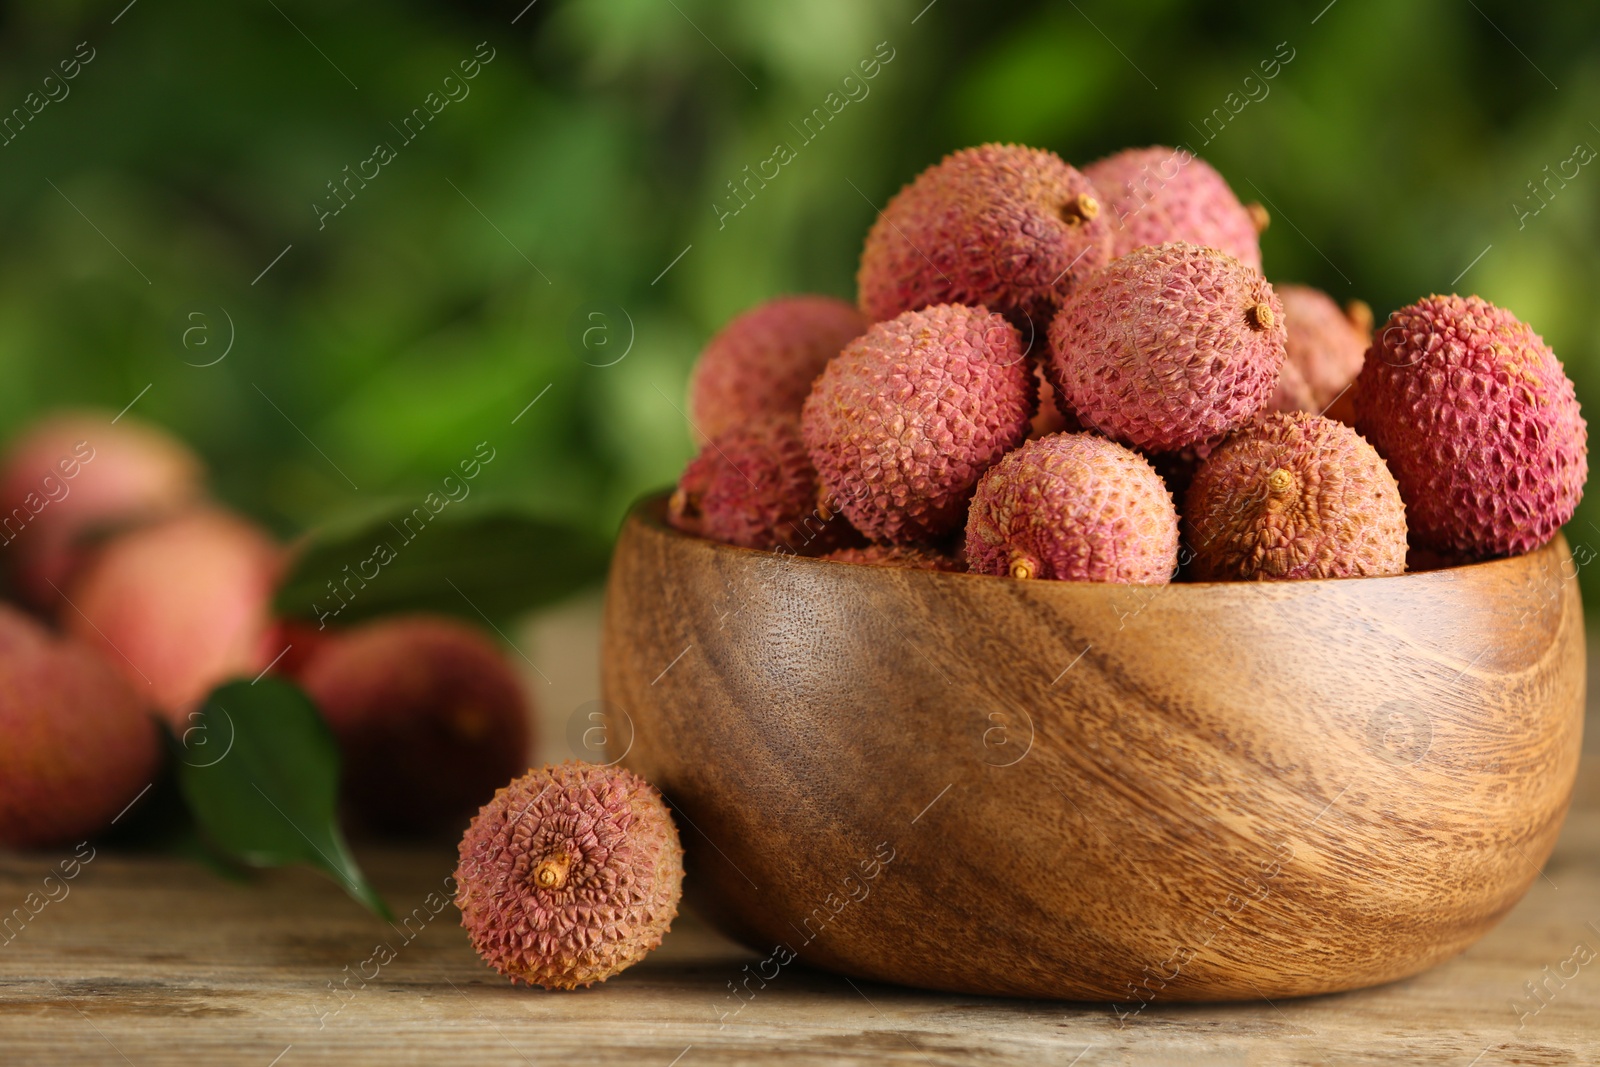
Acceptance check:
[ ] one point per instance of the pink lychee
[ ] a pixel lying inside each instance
(179, 606)
(1001, 226)
(762, 363)
(571, 874)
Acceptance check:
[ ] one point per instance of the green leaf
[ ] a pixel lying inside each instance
(260, 772)
(489, 567)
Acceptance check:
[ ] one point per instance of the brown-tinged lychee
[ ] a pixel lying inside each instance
(179, 606)
(754, 485)
(1479, 423)
(762, 363)
(1294, 496)
(79, 745)
(429, 716)
(571, 874)
(909, 557)
(1324, 349)
(1168, 347)
(1157, 195)
(1009, 228)
(905, 420)
(1073, 507)
(74, 474)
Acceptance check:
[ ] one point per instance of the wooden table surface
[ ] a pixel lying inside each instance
(150, 960)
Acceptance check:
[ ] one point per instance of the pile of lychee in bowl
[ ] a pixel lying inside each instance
(1044, 359)
(1142, 748)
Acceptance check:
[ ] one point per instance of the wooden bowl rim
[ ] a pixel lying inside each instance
(650, 510)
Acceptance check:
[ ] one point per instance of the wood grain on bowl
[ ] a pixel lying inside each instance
(1133, 794)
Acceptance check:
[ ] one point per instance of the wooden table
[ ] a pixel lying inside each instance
(148, 960)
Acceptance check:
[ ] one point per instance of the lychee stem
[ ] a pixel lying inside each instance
(1080, 208)
(1359, 312)
(1258, 216)
(1260, 317)
(680, 505)
(1023, 566)
(1280, 482)
(552, 872)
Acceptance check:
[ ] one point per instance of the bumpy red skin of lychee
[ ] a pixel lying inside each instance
(79, 744)
(1294, 496)
(1168, 347)
(1009, 228)
(1073, 507)
(905, 421)
(1479, 423)
(908, 557)
(179, 606)
(1324, 351)
(75, 473)
(755, 486)
(572, 873)
(1157, 195)
(763, 362)
(429, 716)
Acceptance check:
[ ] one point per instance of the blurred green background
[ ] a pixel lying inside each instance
(580, 175)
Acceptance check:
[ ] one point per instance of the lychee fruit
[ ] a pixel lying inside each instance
(1074, 507)
(77, 473)
(1324, 349)
(1294, 496)
(79, 744)
(1156, 195)
(754, 485)
(571, 874)
(179, 606)
(1479, 423)
(1009, 228)
(904, 421)
(429, 716)
(909, 557)
(763, 362)
(1168, 347)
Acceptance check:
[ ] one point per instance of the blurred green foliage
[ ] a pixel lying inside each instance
(591, 153)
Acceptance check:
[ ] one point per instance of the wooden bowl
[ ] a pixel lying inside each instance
(1101, 792)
